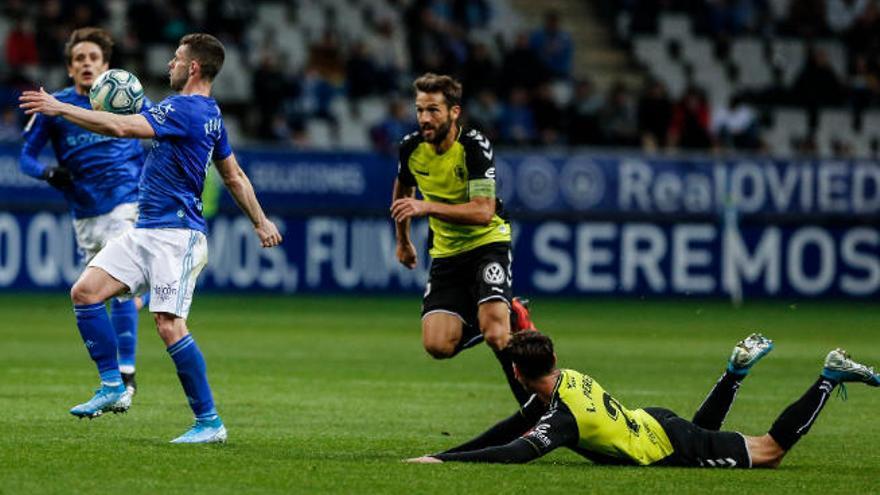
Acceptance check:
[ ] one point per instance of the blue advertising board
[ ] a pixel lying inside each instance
(345, 253)
(292, 183)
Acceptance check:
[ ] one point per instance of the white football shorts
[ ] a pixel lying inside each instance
(93, 233)
(165, 262)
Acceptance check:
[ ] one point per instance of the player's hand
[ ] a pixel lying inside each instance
(268, 234)
(406, 254)
(406, 208)
(40, 102)
(425, 459)
(58, 177)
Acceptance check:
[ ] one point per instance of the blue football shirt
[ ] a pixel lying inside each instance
(105, 170)
(189, 135)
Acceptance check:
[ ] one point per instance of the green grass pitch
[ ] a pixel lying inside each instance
(327, 395)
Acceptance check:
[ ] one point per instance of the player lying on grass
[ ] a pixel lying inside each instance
(569, 409)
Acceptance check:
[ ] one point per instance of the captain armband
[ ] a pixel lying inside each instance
(481, 188)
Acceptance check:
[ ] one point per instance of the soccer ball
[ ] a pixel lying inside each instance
(117, 91)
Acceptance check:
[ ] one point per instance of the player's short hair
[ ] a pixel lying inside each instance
(208, 51)
(95, 35)
(435, 83)
(532, 352)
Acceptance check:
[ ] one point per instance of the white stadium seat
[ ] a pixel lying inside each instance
(674, 27)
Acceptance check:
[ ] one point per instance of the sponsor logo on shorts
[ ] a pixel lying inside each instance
(165, 292)
(494, 273)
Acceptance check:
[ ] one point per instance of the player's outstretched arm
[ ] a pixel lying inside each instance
(478, 211)
(507, 430)
(106, 123)
(556, 429)
(243, 192)
(518, 451)
(406, 251)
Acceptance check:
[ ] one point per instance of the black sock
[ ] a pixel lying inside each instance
(797, 418)
(520, 393)
(715, 407)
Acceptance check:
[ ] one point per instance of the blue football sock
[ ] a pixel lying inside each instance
(100, 339)
(125, 321)
(145, 300)
(193, 376)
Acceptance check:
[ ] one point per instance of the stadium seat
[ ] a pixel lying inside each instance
(649, 50)
(674, 27)
(834, 124)
(748, 55)
(789, 55)
(233, 129)
(372, 110)
(233, 83)
(867, 135)
(836, 55)
(353, 135)
(157, 60)
(715, 82)
(699, 52)
(672, 75)
(319, 134)
(788, 124)
(273, 14)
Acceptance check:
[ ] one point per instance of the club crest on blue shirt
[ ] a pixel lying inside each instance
(160, 112)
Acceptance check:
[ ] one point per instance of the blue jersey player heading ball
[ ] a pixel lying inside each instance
(97, 174)
(168, 248)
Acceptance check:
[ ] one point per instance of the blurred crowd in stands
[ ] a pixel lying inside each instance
(299, 67)
(817, 85)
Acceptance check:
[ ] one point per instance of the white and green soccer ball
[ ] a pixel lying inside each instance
(117, 91)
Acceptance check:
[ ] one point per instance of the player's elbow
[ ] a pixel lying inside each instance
(232, 181)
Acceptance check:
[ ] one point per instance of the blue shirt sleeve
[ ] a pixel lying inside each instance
(168, 118)
(222, 150)
(36, 135)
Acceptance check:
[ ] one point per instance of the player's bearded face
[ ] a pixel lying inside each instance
(435, 117)
(434, 133)
(178, 69)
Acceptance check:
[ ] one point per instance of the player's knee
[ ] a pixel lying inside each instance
(168, 328)
(439, 349)
(81, 294)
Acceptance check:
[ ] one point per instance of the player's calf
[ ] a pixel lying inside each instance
(494, 318)
(799, 417)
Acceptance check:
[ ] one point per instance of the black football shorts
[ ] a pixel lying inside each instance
(459, 284)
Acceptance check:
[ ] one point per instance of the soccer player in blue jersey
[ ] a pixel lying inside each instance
(97, 174)
(167, 249)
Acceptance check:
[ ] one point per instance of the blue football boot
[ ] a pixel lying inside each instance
(107, 398)
(747, 352)
(840, 368)
(204, 431)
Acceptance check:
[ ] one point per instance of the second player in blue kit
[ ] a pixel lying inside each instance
(97, 174)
